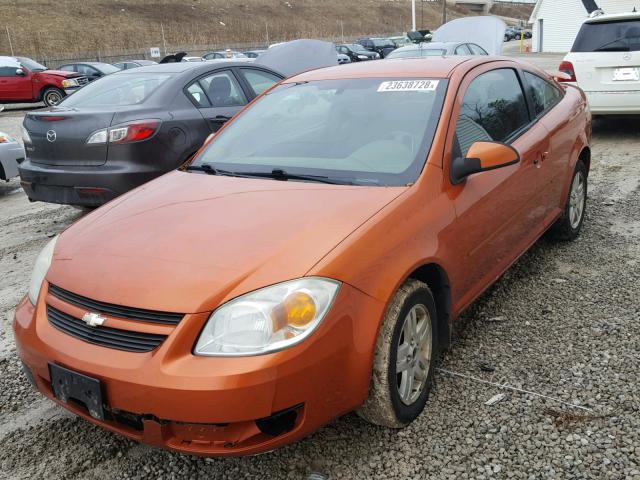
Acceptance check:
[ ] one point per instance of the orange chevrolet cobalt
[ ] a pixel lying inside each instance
(312, 257)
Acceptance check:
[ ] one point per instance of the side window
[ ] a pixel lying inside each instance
(86, 70)
(197, 95)
(462, 50)
(477, 49)
(67, 68)
(493, 108)
(8, 71)
(259, 79)
(223, 90)
(543, 93)
(121, 66)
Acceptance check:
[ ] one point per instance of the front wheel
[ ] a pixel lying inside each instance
(404, 358)
(568, 226)
(52, 96)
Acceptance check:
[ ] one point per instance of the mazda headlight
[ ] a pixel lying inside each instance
(269, 319)
(43, 262)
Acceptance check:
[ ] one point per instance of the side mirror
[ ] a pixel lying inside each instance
(20, 72)
(481, 157)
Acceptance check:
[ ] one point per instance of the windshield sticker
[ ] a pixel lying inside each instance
(408, 86)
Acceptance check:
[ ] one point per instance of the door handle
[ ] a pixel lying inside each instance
(220, 119)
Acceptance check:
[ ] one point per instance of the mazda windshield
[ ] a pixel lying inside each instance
(355, 131)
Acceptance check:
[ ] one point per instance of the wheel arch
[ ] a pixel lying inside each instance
(585, 157)
(437, 280)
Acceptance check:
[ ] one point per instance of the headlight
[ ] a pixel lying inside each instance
(269, 319)
(26, 138)
(43, 262)
(70, 82)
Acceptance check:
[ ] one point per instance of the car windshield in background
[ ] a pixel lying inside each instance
(382, 42)
(358, 48)
(117, 90)
(417, 52)
(623, 36)
(31, 65)
(360, 131)
(107, 69)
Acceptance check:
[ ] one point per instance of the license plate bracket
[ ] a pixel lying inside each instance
(626, 73)
(69, 385)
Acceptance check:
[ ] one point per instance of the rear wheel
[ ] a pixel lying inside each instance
(404, 358)
(568, 226)
(52, 96)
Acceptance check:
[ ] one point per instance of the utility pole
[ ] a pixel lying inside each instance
(444, 12)
(413, 15)
(9, 37)
(266, 27)
(164, 43)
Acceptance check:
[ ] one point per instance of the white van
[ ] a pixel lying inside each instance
(605, 62)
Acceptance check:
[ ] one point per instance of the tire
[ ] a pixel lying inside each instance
(52, 96)
(391, 403)
(568, 226)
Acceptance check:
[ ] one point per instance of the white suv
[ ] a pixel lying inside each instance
(605, 62)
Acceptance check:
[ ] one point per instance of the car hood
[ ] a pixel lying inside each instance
(487, 31)
(186, 242)
(60, 73)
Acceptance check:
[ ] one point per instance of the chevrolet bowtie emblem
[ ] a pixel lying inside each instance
(93, 319)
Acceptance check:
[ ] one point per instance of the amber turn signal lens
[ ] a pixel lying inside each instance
(300, 309)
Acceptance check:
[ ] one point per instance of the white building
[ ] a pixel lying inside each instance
(555, 23)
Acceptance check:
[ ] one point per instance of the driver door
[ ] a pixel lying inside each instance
(15, 87)
(497, 211)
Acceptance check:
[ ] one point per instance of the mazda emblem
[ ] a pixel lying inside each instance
(51, 136)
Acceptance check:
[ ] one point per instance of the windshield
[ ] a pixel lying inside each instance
(358, 48)
(106, 68)
(31, 65)
(610, 36)
(417, 52)
(382, 42)
(117, 90)
(360, 131)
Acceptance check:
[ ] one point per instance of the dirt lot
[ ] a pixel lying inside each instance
(563, 322)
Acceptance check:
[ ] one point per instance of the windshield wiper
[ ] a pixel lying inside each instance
(279, 174)
(621, 48)
(276, 174)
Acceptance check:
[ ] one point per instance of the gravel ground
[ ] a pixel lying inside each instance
(563, 322)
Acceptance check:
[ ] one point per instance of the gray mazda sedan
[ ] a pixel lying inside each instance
(130, 127)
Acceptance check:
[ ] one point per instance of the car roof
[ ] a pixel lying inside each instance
(437, 67)
(430, 46)
(87, 63)
(612, 17)
(179, 67)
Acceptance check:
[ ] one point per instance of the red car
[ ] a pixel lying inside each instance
(23, 80)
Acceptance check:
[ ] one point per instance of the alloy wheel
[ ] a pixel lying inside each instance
(576, 200)
(413, 358)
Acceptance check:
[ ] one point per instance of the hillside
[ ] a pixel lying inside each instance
(66, 28)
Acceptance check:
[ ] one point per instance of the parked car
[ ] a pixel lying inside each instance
(192, 59)
(356, 52)
(224, 54)
(401, 41)
(432, 49)
(129, 64)
(130, 127)
(605, 62)
(382, 46)
(253, 53)
(11, 155)
(90, 70)
(23, 80)
(510, 34)
(311, 259)
(342, 58)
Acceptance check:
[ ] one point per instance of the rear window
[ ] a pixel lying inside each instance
(622, 36)
(120, 89)
(417, 52)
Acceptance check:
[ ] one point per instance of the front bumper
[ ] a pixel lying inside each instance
(89, 186)
(213, 406)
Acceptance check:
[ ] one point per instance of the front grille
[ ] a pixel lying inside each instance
(82, 81)
(104, 336)
(118, 311)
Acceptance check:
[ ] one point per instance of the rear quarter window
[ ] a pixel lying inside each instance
(542, 93)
